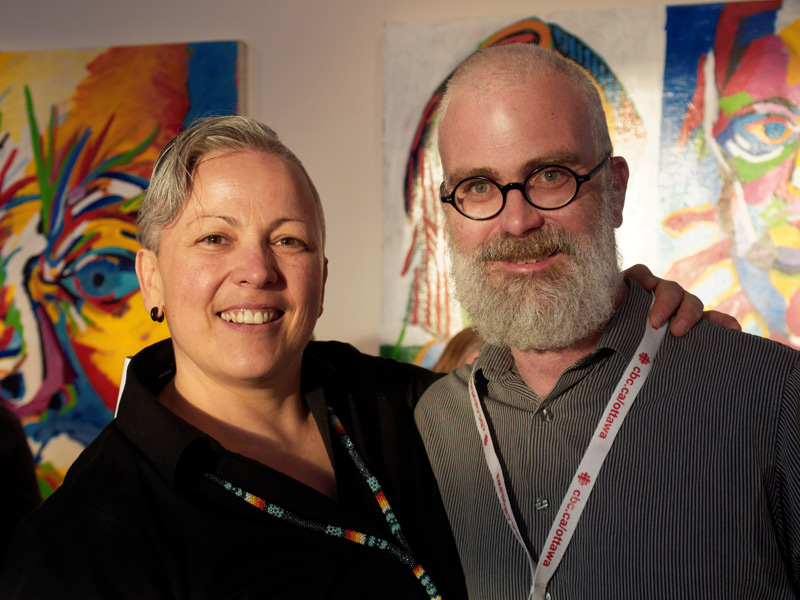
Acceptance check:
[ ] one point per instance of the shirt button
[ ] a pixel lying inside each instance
(541, 503)
(546, 415)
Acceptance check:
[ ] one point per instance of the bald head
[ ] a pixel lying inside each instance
(511, 67)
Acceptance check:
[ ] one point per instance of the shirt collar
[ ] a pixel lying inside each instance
(160, 434)
(171, 443)
(626, 328)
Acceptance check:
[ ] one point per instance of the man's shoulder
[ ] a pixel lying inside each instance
(449, 391)
(726, 344)
(737, 362)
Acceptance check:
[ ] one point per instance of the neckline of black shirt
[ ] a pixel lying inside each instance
(183, 454)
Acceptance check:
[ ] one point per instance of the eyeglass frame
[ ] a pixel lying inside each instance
(521, 186)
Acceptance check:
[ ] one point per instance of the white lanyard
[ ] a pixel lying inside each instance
(586, 475)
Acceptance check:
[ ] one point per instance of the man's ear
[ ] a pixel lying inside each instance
(149, 277)
(620, 173)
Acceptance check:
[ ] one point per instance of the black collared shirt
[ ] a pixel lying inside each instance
(137, 518)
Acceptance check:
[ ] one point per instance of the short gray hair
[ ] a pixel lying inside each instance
(173, 172)
(508, 64)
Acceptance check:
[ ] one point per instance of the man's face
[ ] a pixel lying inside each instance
(552, 255)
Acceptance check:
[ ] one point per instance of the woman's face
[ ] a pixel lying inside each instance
(247, 247)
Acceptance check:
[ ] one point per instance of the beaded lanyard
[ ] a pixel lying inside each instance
(401, 552)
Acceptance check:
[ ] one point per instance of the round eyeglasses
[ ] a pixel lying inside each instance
(547, 187)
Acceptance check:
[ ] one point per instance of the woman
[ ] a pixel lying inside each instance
(461, 349)
(244, 462)
(232, 408)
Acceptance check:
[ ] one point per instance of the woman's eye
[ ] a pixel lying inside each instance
(212, 240)
(290, 242)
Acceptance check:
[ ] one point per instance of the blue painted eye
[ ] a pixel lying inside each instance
(775, 131)
(756, 137)
(105, 279)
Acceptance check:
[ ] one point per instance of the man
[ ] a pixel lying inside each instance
(698, 494)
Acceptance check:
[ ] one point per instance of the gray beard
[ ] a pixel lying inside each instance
(550, 310)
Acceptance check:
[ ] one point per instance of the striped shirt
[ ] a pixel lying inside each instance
(698, 498)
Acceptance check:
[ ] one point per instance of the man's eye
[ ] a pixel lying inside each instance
(551, 177)
(474, 189)
(479, 187)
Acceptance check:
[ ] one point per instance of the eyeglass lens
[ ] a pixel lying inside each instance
(549, 188)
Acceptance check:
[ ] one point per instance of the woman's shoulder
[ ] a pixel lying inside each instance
(367, 374)
(347, 358)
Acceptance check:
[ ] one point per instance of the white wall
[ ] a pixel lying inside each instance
(314, 73)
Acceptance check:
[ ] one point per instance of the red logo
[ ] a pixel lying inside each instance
(486, 440)
(644, 358)
(584, 479)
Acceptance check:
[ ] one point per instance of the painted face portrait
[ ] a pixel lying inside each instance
(72, 174)
(69, 299)
(746, 114)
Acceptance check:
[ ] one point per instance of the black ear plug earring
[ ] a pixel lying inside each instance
(155, 316)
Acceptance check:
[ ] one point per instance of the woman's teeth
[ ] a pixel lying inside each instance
(249, 317)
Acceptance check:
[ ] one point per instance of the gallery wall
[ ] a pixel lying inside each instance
(314, 71)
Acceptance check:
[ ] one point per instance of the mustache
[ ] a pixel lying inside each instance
(537, 245)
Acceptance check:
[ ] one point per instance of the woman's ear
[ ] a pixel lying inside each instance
(149, 278)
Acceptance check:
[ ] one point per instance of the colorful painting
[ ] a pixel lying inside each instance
(730, 179)
(79, 131)
(649, 65)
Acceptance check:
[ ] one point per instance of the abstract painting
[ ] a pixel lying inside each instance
(79, 131)
(730, 179)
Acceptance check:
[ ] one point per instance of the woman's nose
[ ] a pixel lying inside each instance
(255, 266)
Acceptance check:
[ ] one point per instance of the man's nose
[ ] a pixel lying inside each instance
(519, 216)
